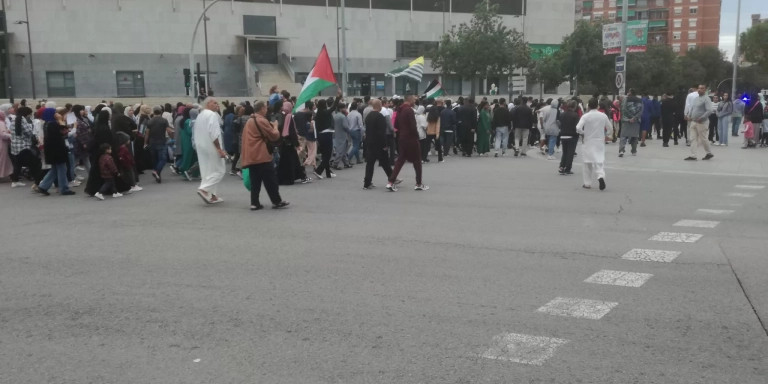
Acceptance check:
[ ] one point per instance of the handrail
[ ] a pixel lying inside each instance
(285, 62)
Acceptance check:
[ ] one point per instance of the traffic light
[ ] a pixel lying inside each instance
(187, 78)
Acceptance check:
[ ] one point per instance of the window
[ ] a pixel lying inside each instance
(612, 15)
(660, 3)
(675, 47)
(694, 1)
(691, 46)
(259, 25)
(692, 35)
(414, 49)
(598, 16)
(693, 10)
(130, 83)
(612, 3)
(692, 23)
(452, 85)
(678, 23)
(677, 35)
(60, 84)
(598, 4)
(678, 1)
(678, 10)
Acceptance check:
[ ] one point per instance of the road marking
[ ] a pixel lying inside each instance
(715, 211)
(524, 349)
(676, 237)
(745, 186)
(620, 278)
(579, 308)
(697, 223)
(741, 194)
(651, 255)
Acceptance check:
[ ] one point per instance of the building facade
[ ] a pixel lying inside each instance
(141, 48)
(757, 20)
(681, 24)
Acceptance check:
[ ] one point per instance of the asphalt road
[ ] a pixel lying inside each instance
(452, 285)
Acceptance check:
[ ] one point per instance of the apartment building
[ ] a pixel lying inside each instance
(681, 24)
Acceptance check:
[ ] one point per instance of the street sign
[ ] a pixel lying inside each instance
(620, 60)
(620, 80)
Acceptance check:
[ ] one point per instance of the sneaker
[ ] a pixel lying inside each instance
(136, 188)
(281, 204)
(421, 187)
(690, 158)
(306, 180)
(332, 175)
(634, 153)
(398, 181)
(79, 178)
(369, 187)
(187, 176)
(232, 173)
(716, 144)
(74, 183)
(708, 156)
(174, 170)
(98, 195)
(35, 188)
(523, 155)
(441, 161)
(517, 153)
(68, 193)
(391, 187)
(18, 184)
(43, 192)
(558, 150)
(157, 177)
(550, 158)
(621, 154)
(239, 174)
(642, 144)
(319, 176)
(602, 183)
(117, 194)
(79, 168)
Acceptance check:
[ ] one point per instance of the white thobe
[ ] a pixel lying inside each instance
(212, 166)
(594, 125)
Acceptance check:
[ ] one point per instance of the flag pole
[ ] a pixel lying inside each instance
(344, 79)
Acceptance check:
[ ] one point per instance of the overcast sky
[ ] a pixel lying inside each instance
(728, 21)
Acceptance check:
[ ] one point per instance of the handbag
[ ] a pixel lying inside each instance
(270, 145)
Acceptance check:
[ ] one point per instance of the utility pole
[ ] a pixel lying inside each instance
(7, 59)
(736, 54)
(624, 19)
(207, 67)
(29, 44)
(344, 80)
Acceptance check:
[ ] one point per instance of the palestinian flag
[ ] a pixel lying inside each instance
(320, 77)
(414, 70)
(434, 90)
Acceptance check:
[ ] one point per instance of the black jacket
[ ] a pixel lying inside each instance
(755, 115)
(375, 133)
(568, 121)
(447, 120)
(467, 116)
(54, 145)
(668, 109)
(522, 117)
(501, 117)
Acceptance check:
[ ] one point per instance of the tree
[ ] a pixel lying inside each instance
(581, 58)
(652, 71)
(754, 45)
(713, 63)
(483, 48)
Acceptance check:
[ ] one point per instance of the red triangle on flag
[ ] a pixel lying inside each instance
(323, 69)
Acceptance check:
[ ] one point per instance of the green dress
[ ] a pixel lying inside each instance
(484, 133)
(188, 153)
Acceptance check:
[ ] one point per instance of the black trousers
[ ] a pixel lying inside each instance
(325, 147)
(371, 157)
(714, 135)
(27, 159)
(425, 147)
(392, 148)
(108, 187)
(681, 130)
(569, 149)
(666, 131)
(468, 142)
(656, 126)
(235, 158)
(264, 173)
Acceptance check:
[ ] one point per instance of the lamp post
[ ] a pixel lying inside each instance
(207, 67)
(29, 44)
(736, 54)
(192, 45)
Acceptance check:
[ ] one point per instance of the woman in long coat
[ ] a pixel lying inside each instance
(290, 168)
(484, 129)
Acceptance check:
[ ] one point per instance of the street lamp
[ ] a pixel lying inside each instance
(29, 42)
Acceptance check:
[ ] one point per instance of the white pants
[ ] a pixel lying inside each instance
(521, 138)
(212, 168)
(698, 134)
(592, 168)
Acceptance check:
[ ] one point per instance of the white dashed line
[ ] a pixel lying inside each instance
(651, 255)
(579, 308)
(741, 194)
(715, 211)
(620, 278)
(697, 223)
(524, 349)
(676, 237)
(753, 187)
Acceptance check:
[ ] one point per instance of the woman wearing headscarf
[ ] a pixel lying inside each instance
(102, 134)
(551, 127)
(123, 123)
(324, 126)
(83, 137)
(188, 153)
(290, 168)
(88, 113)
(55, 154)
(6, 166)
(142, 157)
(484, 129)
(178, 125)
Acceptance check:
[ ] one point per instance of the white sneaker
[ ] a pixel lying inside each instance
(79, 168)
(98, 196)
(80, 178)
(558, 150)
(391, 187)
(550, 158)
(422, 187)
(333, 174)
(117, 194)
(17, 184)
(74, 183)
(136, 188)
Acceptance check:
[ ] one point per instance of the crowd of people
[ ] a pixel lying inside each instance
(271, 143)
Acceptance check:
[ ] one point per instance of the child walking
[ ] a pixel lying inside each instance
(108, 173)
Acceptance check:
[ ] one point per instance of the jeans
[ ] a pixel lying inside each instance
(446, 141)
(551, 142)
(502, 138)
(722, 129)
(264, 173)
(355, 137)
(735, 124)
(159, 154)
(58, 173)
(632, 143)
(521, 138)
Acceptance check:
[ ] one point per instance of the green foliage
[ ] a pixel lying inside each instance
(483, 48)
(754, 45)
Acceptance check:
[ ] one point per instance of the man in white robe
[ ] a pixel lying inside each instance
(210, 154)
(594, 126)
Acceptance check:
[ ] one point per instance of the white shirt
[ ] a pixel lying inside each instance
(207, 127)
(594, 125)
(689, 101)
(71, 119)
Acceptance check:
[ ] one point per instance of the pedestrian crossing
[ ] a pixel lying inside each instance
(536, 350)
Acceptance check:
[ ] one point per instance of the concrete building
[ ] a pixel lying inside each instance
(681, 24)
(757, 20)
(140, 48)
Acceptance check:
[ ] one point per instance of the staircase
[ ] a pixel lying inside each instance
(274, 74)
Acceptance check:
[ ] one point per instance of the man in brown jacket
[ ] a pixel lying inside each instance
(258, 133)
(408, 145)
